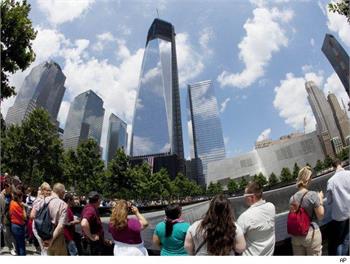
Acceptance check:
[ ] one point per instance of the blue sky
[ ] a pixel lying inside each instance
(257, 53)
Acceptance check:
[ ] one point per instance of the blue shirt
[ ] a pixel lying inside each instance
(174, 244)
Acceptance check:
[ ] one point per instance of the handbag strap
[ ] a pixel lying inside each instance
(199, 247)
(301, 200)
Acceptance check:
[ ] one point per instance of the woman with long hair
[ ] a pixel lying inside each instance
(18, 219)
(43, 191)
(125, 231)
(312, 202)
(170, 234)
(216, 234)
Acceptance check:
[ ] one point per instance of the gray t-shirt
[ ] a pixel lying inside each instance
(310, 202)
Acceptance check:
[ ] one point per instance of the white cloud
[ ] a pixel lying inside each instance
(144, 144)
(63, 113)
(312, 42)
(262, 3)
(323, 8)
(226, 141)
(306, 68)
(291, 100)
(224, 104)
(189, 60)
(48, 44)
(205, 36)
(338, 23)
(255, 48)
(102, 40)
(334, 85)
(61, 11)
(264, 135)
(117, 84)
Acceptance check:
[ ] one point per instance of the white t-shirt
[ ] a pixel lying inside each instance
(338, 194)
(258, 225)
(198, 238)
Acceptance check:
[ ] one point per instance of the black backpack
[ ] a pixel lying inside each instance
(43, 224)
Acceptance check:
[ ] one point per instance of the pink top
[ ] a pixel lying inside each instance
(130, 234)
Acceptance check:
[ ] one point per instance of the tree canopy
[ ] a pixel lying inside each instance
(340, 7)
(33, 150)
(17, 34)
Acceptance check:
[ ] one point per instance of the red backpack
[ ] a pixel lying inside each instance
(298, 222)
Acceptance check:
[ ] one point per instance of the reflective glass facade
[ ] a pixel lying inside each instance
(338, 58)
(85, 119)
(43, 87)
(117, 136)
(157, 117)
(204, 125)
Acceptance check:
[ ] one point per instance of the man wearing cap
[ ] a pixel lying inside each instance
(93, 236)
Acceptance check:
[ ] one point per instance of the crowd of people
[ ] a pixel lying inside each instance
(24, 214)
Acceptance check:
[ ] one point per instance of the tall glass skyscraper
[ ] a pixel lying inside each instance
(326, 125)
(43, 87)
(338, 58)
(156, 125)
(85, 119)
(204, 125)
(117, 136)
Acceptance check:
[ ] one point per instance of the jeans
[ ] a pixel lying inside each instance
(72, 248)
(18, 232)
(343, 249)
(8, 237)
(338, 233)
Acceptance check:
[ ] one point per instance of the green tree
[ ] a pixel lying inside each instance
(340, 7)
(214, 188)
(90, 167)
(295, 170)
(118, 181)
(160, 185)
(13, 157)
(344, 154)
(141, 175)
(273, 179)
(286, 175)
(319, 166)
(327, 163)
(33, 150)
(183, 186)
(70, 168)
(232, 186)
(242, 183)
(261, 179)
(16, 36)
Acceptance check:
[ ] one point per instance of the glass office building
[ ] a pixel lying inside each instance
(156, 125)
(204, 125)
(85, 119)
(117, 136)
(43, 87)
(338, 58)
